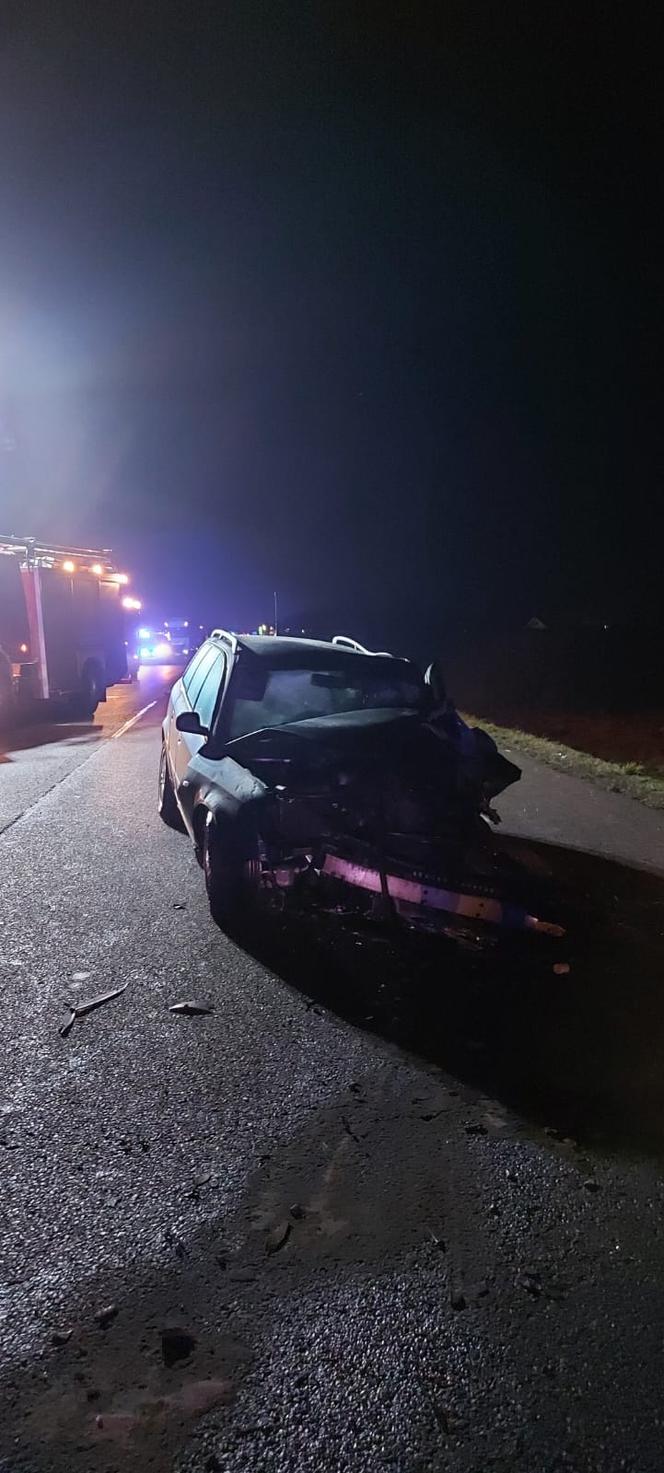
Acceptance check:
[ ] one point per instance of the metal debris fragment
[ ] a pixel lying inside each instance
(190, 1009)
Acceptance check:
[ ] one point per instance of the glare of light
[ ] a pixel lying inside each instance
(119, 578)
(23, 648)
(185, 652)
(131, 603)
(186, 623)
(165, 623)
(144, 652)
(97, 570)
(144, 633)
(162, 651)
(68, 566)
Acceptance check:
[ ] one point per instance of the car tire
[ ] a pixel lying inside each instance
(167, 804)
(228, 873)
(92, 690)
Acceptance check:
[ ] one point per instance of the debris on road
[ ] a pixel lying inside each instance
(297, 1212)
(179, 905)
(591, 1185)
(176, 1344)
(190, 1009)
(79, 1009)
(278, 1237)
(478, 1129)
(104, 1317)
(438, 1241)
(66, 1027)
(60, 1337)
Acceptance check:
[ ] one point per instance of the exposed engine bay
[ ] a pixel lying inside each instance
(391, 808)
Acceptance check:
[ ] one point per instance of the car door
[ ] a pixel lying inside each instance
(201, 691)
(179, 701)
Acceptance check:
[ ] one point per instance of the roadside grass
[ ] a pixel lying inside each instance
(643, 780)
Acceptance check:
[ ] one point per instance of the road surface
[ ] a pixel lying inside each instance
(384, 1208)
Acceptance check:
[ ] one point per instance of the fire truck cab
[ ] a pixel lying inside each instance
(61, 627)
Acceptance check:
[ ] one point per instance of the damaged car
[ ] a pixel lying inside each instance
(308, 772)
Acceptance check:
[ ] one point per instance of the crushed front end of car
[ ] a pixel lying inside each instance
(388, 813)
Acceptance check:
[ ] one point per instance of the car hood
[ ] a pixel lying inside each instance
(346, 728)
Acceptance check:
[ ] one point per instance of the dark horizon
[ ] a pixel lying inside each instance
(363, 307)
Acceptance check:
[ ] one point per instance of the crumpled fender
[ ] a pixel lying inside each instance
(223, 786)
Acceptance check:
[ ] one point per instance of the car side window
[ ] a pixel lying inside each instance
(196, 682)
(193, 665)
(206, 699)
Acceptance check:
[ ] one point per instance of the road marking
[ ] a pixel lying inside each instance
(132, 721)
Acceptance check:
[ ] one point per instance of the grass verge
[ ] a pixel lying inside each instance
(630, 778)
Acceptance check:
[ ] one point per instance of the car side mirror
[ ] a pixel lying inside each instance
(190, 721)
(435, 680)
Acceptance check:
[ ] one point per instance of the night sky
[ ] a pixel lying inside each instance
(362, 303)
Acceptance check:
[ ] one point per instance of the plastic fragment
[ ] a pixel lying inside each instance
(60, 1337)
(66, 1027)
(105, 1316)
(79, 1009)
(278, 1237)
(190, 1009)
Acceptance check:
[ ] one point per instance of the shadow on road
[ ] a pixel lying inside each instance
(582, 1053)
(24, 738)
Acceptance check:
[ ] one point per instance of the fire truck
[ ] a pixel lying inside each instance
(61, 627)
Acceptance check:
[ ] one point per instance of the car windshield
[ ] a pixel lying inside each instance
(275, 697)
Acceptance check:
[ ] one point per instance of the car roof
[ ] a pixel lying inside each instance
(291, 653)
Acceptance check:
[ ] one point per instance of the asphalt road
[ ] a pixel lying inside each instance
(388, 1206)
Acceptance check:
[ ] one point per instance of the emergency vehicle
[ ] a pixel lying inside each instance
(61, 627)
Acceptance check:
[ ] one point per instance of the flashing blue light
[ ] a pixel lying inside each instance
(144, 652)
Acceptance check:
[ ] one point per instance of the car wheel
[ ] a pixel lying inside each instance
(229, 873)
(167, 805)
(84, 704)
